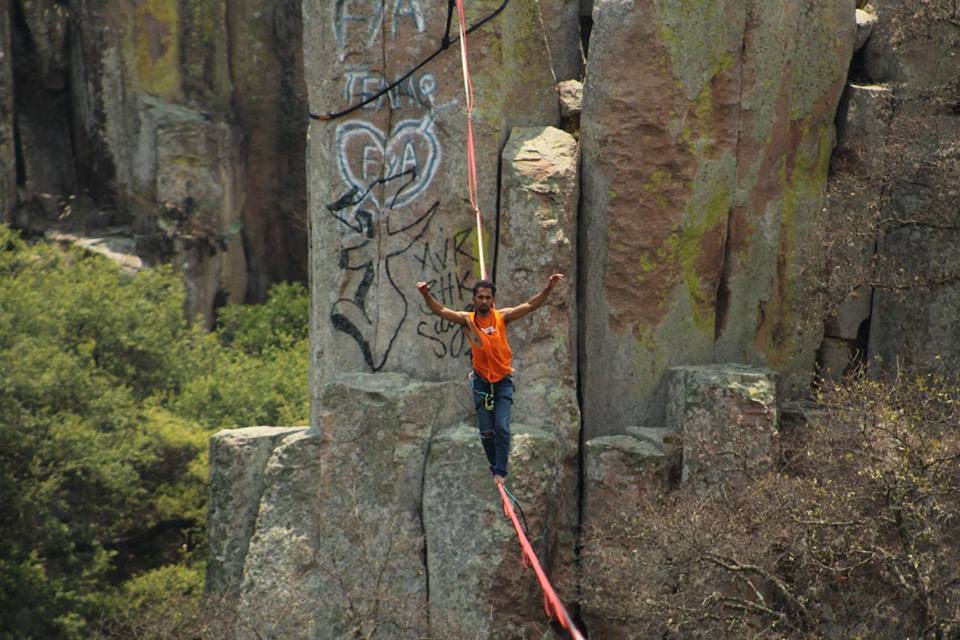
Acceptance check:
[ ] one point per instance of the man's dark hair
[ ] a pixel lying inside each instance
(485, 284)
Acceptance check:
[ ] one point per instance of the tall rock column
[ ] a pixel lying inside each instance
(387, 183)
(538, 228)
(270, 103)
(794, 68)
(150, 130)
(704, 151)
(913, 51)
(8, 159)
(339, 522)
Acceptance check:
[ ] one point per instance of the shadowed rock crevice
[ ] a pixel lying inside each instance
(722, 293)
(42, 103)
(269, 100)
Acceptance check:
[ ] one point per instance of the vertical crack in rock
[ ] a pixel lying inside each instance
(496, 213)
(722, 293)
(423, 524)
(232, 45)
(380, 222)
(580, 325)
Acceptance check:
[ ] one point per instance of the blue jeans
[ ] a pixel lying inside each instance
(494, 423)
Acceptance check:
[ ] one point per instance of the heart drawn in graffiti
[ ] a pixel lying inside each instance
(405, 162)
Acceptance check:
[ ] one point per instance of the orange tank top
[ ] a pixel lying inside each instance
(492, 359)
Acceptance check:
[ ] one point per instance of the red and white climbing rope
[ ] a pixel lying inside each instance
(471, 155)
(551, 603)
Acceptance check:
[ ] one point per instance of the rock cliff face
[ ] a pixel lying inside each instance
(899, 130)
(678, 196)
(387, 182)
(8, 165)
(180, 122)
(920, 233)
(701, 175)
(704, 156)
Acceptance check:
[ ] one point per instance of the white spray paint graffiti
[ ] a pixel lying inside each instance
(366, 158)
(362, 84)
(367, 16)
(386, 174)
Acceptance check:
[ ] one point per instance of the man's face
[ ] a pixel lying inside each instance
(483, 300)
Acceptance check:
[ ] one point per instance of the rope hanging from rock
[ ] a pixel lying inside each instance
(551, 603)
(471, 155)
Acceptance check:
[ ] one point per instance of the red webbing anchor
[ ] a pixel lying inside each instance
(551, 603)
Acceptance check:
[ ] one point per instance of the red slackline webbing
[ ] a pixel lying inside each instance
(551, 603)
(471, 156)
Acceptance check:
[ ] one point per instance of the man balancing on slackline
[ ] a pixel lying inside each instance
(486, 331)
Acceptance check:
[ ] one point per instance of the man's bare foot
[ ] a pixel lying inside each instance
(498, 479)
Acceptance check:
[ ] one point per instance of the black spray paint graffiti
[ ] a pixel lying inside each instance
(372, 233)
(385, 174)
(448, 269)
(368, 249)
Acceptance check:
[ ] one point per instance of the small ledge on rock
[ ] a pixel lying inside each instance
(120, 249)
(866, 19)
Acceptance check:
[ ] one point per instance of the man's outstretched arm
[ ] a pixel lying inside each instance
(457, 317)
(515, 313)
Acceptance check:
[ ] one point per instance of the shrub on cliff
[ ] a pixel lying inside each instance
(854, 535)
(107, 398)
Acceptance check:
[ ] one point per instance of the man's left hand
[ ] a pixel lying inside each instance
(555, 278)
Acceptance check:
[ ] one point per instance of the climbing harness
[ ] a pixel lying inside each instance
(488, 398)
(551, 603)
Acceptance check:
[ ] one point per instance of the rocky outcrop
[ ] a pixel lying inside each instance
(197, 174)
(538, 226)
(41, 98)
(863, 118)
(699, 174)
(911, 333)
(387, 182)
(623, 475)
(238, 460)
(722, 424)
(478, 586)
(727, 417)
(338, 522)
(895, 177)
(385, 515)
(561, 21)
(108, 92)
(269, 104)
(571, 99)
(912, 44)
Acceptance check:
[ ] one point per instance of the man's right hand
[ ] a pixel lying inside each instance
(423, 287)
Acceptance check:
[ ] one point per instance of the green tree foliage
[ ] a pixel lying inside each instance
(107, 399)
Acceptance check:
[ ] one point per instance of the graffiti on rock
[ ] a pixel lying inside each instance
(362, 84)
(365, 153)
(447, 267)
(379, 219)
(366, 17)
(383, 212)
(366, 252)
